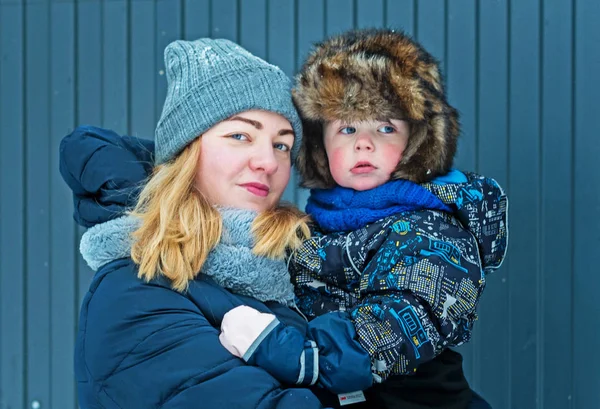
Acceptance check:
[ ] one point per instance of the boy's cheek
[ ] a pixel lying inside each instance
(393, 154)
(337, 159)
(337, 163)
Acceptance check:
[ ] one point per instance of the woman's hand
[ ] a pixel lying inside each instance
(241, 327)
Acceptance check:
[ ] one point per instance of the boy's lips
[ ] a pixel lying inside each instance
(362, 167)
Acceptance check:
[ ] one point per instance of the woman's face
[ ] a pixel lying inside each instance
(245, 160)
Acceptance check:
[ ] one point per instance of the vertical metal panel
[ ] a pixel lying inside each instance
(281, 35)
(168, 28)
(253, 27)
(63, 308)
(461, 75)
(37, 152)
(369, 13)
(400, 14)
(586, 234)
(556, 256)
(12, 204)
(142, 69)
(115, 58)
(492, 363)
(196, 19)
(431, 28)
(524, 183)
(225, 19)
(89, 96)
(89, 62)
(461, 86)
(339, 16)
(310, 28)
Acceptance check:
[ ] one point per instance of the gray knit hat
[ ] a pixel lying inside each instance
(211, 80)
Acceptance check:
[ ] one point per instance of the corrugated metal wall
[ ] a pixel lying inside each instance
(523, 73)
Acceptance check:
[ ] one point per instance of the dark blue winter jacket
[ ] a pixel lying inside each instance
(142, 344)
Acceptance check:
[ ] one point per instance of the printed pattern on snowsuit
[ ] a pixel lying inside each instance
(410, 282)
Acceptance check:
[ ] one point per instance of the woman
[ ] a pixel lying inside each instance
(149, 325)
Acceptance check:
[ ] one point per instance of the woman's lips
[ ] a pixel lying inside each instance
(257, 189)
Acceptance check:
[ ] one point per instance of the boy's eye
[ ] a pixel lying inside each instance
(239, 137)
(387, 129)
(282, 147)
(348, 130)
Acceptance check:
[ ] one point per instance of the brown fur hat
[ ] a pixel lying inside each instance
(375, 74)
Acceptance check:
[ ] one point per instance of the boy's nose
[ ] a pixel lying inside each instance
(363, 143)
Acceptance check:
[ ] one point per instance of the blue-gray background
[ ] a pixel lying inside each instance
(521, 72)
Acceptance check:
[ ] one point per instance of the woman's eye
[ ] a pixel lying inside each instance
(282, 147)
(387, 129)
(348, 130)
(239, 137)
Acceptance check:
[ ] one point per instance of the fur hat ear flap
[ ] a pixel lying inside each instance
(312, 161)
(431, 148)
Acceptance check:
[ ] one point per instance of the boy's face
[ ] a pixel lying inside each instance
(363, 155)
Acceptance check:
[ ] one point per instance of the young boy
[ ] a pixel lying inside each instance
(397, 263)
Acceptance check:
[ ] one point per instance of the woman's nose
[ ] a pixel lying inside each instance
(263, 159)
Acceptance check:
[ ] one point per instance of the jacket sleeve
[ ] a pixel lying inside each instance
(419, 296)
(329, 355)
(151, 347)
(105, 171)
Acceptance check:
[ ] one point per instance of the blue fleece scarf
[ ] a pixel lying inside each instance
(343, 209)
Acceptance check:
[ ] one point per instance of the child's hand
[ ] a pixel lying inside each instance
(241, 327)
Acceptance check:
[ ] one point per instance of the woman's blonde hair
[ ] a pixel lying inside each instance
(179, 227)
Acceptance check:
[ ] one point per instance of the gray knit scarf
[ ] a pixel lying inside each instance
(231, 264)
